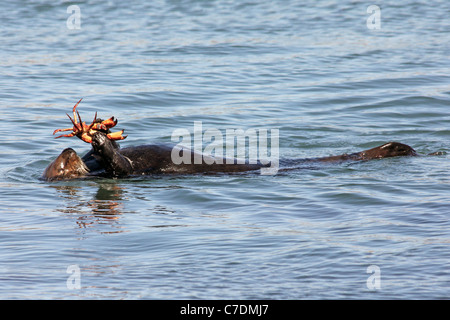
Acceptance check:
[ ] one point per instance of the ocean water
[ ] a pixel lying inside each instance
(329, 75)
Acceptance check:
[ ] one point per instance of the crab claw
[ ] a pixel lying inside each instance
(110, 123)
(116, 135)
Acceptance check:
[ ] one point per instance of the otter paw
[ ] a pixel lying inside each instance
(98, 140)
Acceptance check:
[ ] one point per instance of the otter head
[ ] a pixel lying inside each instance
(67, 165)
(391, 149)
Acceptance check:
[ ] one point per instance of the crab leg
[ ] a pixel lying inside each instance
(58, 130)
(75, 123)
(65, 135)
(74, 120)
(74, 108)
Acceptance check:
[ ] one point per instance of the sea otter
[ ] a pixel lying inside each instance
(68, 165)
(106, 159)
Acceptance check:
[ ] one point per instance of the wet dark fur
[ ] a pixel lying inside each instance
(108, 160)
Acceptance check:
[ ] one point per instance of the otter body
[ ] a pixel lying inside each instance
(106, 159)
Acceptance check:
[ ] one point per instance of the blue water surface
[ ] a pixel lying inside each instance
(317, 71)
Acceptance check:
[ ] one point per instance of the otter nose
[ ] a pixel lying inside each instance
(69, 152)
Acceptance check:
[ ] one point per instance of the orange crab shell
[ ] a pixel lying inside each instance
(85, 132)
(87, 136)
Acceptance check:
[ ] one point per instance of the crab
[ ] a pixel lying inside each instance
(85, 132)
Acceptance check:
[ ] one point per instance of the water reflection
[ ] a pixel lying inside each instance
(105, 207)
(101, 204)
